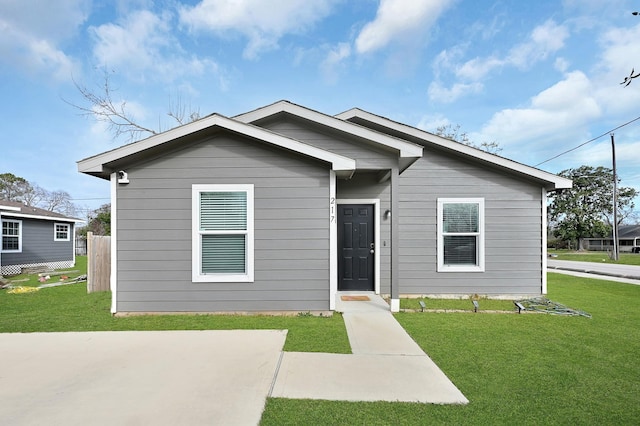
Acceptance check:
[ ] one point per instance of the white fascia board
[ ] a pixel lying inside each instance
(96, 163)
(51, 218)
(405, 149)
(557, 182)
(10, 208)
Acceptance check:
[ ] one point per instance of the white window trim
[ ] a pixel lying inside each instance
(461, 268)
(20, 231)
(55, 233)
(196, 234)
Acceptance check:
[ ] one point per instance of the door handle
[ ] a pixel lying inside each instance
(372, 251)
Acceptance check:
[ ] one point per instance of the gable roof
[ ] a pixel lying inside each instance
(17, 209)
(408, 152)
(382, 124)
(99, 165)
(628, 231)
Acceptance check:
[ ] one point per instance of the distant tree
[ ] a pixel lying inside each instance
(454, 133)
(18, 189)
(13, 188)
(99, 221)
(586, 210)
(103, 107)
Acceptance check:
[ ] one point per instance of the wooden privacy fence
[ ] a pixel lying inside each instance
(98, 263)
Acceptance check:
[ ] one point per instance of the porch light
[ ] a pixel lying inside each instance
(387, 214)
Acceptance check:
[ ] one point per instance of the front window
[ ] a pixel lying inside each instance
(61, 232)
(11, 236)
(222, 233)
(461, 235)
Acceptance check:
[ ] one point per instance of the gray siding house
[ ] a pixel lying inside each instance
(33, 237)
(282, 208)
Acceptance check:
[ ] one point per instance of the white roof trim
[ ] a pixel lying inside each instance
(557, 182)
(10, 208)
(406, 149)
(33, 216)
(96, 164)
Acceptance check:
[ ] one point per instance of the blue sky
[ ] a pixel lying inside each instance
(537, 77)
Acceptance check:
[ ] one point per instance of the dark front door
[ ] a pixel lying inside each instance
(355, 247)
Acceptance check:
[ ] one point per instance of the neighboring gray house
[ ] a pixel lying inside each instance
(33, 237)
(628, 240)
(284, 207)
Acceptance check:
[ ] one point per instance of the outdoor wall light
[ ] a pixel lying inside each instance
(387, 214)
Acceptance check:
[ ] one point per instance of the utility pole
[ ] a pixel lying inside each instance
(616, 249)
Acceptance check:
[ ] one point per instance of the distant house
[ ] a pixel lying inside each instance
(33, 237)
(628, 240)
(285, 208)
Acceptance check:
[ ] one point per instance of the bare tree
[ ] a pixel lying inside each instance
(102, 106)
(454, 133)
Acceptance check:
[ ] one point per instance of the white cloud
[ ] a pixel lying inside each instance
(142, 45)
(334, 60)
(262, 22)
(563, 109)
(30, 40)
(399, 19)
(430, 123)
(447, 95)
(543, 41)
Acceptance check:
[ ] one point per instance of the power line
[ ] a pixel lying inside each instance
(589, 141)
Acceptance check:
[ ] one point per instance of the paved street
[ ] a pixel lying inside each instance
(625, 273)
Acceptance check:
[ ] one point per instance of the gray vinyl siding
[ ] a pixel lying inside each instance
(38, 245)
(366, 156)
(513, 228)
(291, 230)
(366, 186)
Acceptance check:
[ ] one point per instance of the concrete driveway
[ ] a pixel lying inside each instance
(137, 378)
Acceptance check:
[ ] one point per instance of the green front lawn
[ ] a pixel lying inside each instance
(596, 256)
(514, 369)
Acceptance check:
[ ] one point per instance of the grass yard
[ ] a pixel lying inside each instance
(596, 256)
(515, 369)
(70, 308)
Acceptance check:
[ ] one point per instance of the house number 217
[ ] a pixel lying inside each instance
(332, 210)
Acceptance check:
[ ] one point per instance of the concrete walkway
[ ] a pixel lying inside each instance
(386, 364)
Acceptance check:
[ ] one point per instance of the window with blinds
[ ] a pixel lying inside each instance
(461, 235)
(224, 233)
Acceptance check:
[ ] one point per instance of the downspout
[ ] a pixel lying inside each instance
(395, 240)
(114, 247)
(544, 241)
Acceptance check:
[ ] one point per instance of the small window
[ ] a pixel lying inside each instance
(222, 233)
(461, 235)
(61, 232)
(11, 236)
